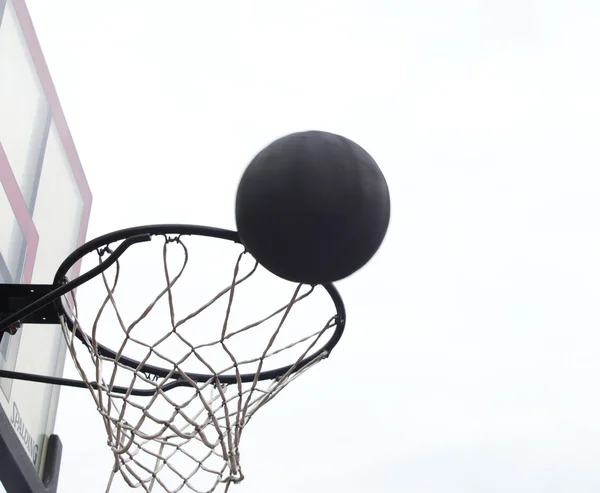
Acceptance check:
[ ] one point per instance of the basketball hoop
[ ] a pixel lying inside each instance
(174, 401)
(175, 369)
(160, 415)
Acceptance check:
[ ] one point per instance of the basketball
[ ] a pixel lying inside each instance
(312, 207)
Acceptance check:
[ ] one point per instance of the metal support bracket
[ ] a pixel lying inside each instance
(33, 303)
(16, 297)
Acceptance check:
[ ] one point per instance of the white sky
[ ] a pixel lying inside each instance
(470, 359)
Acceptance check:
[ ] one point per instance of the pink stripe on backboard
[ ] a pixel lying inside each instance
(59, 118)
(19, 207)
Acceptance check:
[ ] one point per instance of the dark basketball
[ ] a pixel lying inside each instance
(312, 207)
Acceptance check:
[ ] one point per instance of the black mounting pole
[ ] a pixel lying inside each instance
(80, 384)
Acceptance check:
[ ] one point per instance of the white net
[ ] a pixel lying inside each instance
(184, 435)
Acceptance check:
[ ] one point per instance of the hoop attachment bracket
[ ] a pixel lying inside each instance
(16, 297)
(33, 303)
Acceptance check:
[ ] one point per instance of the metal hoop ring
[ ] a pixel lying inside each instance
(144, 233)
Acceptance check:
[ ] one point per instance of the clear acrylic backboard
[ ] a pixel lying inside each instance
(45, 204)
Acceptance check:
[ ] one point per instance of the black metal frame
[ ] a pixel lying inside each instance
(18, 472)
(35, 303)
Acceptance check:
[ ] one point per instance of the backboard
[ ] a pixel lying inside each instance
(45, 204)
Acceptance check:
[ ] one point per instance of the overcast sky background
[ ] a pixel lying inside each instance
(470, 362)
